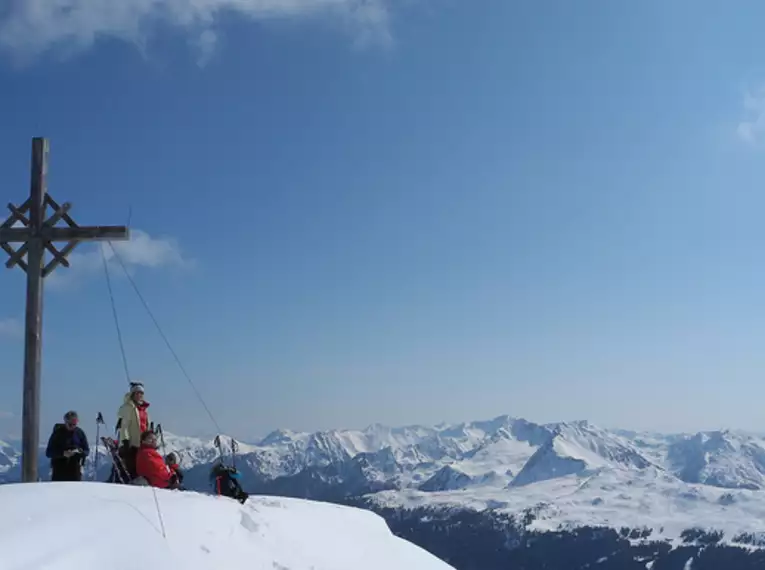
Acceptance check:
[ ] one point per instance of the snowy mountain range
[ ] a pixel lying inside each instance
(504, 452)
(552, 476)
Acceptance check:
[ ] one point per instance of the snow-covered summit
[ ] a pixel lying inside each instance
(281, 437)
(720, 458)
(446, 479)
(202, 532)
(576, 448)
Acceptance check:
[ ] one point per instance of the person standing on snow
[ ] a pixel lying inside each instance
(150, 465)
(67, 449)
(133, 420)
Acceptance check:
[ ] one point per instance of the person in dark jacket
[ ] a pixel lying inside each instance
(67, 449)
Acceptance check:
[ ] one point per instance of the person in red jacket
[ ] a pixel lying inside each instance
(150, 465)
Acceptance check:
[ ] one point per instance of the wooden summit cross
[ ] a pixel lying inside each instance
(37, 237)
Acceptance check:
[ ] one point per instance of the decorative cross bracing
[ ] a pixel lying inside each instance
(28, 226)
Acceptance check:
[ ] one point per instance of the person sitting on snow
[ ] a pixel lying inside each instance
(150, 465)
(173, 462)
(67, 449)
(133, 420)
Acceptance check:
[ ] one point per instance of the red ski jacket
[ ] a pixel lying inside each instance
(143, 416)
(150, 465)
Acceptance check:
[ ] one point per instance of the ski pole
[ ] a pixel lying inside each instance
(161, 438)
(216, 442)
(99, 421)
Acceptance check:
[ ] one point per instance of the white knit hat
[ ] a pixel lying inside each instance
(136, 387)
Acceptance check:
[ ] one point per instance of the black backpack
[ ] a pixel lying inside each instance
(226, 482)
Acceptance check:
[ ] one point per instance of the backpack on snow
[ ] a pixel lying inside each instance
(226, 481)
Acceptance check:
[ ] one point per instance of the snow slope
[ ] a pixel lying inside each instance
(499, 453)
(118, 527)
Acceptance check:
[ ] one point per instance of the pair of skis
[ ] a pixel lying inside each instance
(120, 472)
(234, 448)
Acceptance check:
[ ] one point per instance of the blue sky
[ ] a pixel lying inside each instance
(351, 212)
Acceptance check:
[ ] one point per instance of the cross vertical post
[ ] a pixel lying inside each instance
(33, 336)
(36, 237)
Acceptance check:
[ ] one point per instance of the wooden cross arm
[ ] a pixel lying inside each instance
(81, 233)
(87, 233)
(14, 234)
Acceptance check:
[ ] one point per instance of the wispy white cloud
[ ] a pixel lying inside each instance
(11, 328)
(144, 250)
(752, 129)
(141, 250)
(31, 27)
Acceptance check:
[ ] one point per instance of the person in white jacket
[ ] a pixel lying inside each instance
(132, 421)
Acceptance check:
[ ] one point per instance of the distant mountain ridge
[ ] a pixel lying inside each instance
(513, 450)
(524, 478)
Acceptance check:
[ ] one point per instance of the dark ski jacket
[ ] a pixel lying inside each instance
(62, 440)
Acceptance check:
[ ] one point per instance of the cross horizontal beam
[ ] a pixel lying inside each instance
(89, 233)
